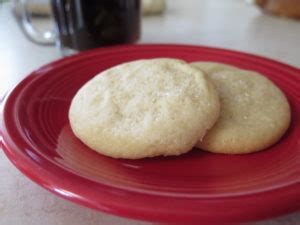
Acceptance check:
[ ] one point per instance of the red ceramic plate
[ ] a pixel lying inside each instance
(197, 186)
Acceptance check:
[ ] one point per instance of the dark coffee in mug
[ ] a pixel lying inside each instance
(86, 24)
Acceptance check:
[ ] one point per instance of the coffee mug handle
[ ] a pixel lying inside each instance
(42, 38)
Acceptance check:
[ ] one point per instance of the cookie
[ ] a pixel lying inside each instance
(212, 67)
(254, 112)
(144, 108)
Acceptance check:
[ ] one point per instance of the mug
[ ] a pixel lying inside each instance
(85, 24)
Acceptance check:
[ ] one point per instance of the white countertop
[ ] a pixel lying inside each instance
(232, 24)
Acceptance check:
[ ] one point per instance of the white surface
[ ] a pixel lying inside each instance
(230, 24)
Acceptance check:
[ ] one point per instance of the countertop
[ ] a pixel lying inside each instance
(231, 24)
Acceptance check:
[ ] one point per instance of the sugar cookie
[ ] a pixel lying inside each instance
(144, 108)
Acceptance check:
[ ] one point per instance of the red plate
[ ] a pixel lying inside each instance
(197, 186)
